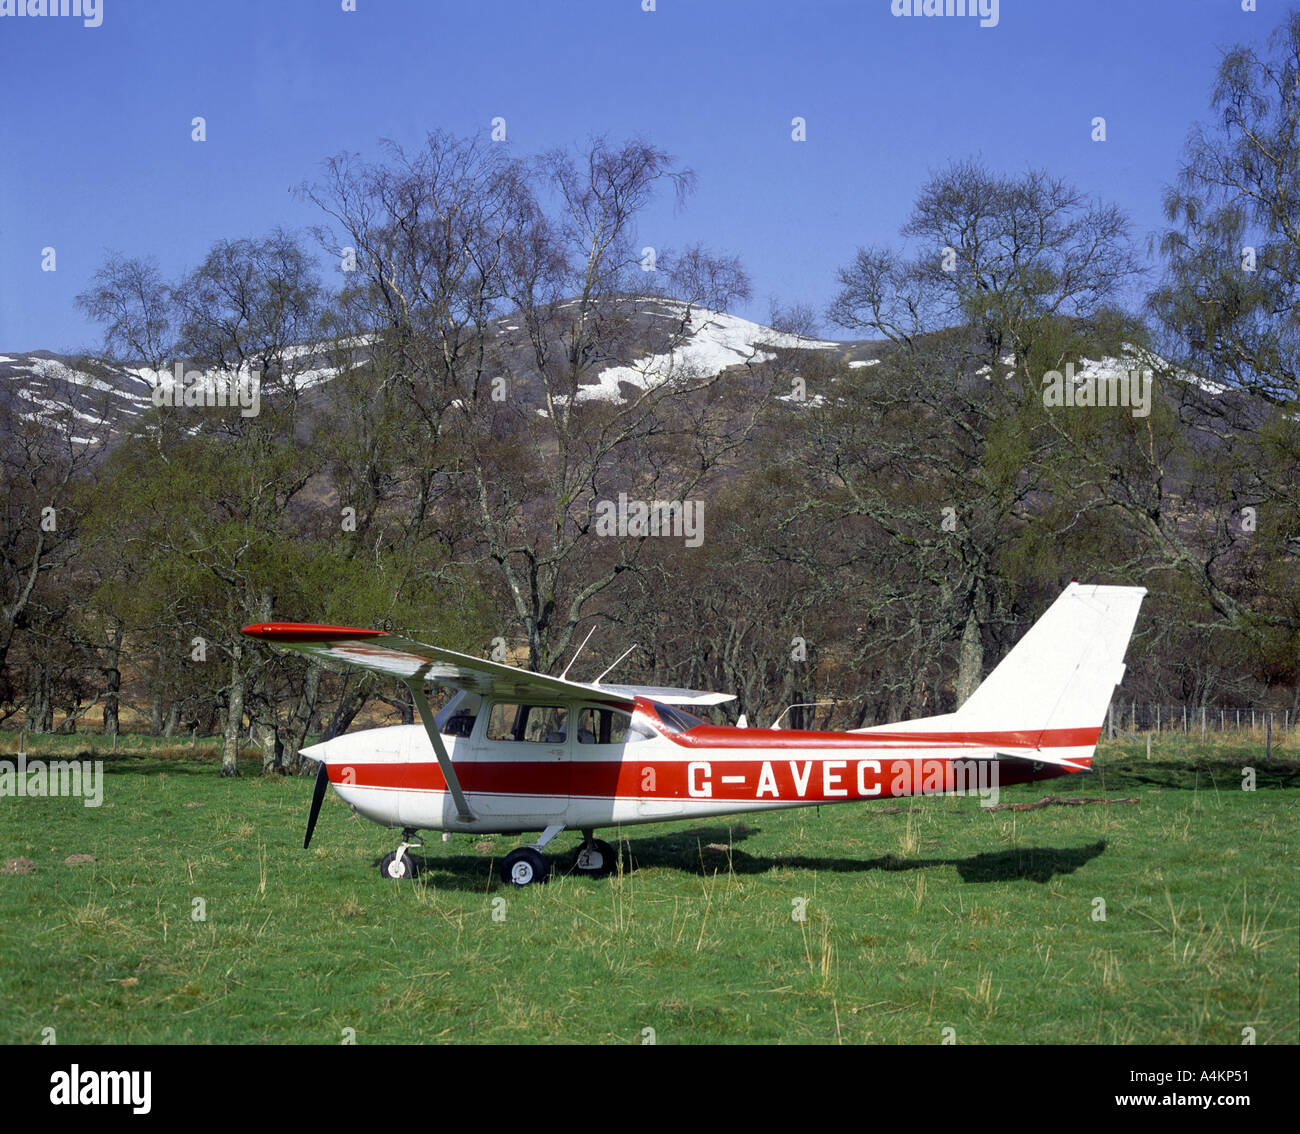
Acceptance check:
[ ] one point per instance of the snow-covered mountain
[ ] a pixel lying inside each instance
(713, 342)
(88, 395)
(98, 401)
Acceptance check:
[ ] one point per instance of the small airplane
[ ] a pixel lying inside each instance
(514, 751)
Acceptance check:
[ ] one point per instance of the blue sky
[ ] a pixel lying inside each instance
(97, 155)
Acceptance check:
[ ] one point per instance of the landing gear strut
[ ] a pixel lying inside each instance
(523, 866)
(398, 865)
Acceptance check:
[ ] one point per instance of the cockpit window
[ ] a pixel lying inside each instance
(609, 726)
(675, 719)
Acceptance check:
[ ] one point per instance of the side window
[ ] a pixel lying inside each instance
(609, 726)
(501, 722)
(589, 726)
(546, 724)
(538, 724)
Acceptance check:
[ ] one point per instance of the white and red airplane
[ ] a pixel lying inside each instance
(514, 751)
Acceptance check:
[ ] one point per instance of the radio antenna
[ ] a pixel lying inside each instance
(620, 658)
(577, 652)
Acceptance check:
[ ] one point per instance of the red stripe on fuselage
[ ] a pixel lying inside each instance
(714, 736)
(779, 779)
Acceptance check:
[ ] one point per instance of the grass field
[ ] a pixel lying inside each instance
(918, 916)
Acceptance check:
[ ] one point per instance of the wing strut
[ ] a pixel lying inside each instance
(416, 686)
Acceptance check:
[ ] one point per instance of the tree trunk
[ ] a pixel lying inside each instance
(40, 702)
(300, 722)
(970, 659)
(268, 740)
(350, 704)
(234, 716)
(403, 704)
(113, 679)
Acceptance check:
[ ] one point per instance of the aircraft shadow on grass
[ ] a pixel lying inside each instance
(705, 851)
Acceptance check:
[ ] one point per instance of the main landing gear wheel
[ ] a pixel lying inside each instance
(396, 866)
(596, 859)
(523, 867)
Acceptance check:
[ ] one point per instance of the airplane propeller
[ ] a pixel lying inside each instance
(317, 798)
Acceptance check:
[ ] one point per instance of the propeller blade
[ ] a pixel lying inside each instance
(317, 798)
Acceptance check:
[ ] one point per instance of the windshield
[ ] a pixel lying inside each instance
(675, 719)
(456, 717)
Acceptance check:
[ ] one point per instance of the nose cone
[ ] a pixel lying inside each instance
(315, 752)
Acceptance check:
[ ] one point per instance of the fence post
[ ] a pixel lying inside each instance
(1202, 724)
(1110, 721)
(1268, 744)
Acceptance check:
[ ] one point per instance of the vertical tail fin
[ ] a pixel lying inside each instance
(1052, 690)
(1062, 673)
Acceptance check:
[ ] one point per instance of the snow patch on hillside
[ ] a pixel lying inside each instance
(714, 342)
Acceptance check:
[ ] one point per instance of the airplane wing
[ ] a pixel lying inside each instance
(410, 660)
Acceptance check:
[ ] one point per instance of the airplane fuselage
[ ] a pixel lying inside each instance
(659, 770)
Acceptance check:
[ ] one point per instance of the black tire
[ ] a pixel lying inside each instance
(395, 869)
(596, 850)
(523, 867)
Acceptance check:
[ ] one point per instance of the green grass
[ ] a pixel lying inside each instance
(919, 915)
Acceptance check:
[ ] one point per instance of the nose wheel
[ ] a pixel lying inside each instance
(398, 864)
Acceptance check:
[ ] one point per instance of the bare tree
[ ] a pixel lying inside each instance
(1232, 294)
(136, 307)
(941, 448)
(493, 315)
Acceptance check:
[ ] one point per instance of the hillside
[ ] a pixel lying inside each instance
(106, 399)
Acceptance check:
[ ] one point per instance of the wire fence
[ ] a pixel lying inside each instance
(1196, 720)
